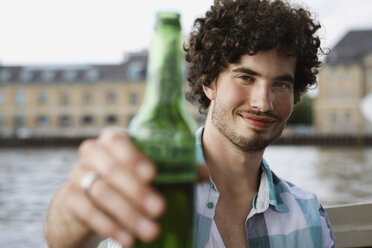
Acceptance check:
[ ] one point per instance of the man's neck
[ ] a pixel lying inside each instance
(236, 174)
(234, 171)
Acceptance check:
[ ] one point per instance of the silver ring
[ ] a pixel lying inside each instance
(88, 181)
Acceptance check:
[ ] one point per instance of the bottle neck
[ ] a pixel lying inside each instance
(164, 71)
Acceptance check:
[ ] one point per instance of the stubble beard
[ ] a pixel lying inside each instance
(252, 143)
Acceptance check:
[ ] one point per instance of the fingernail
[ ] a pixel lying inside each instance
(153, 203)
(145, 170)
(124, 238)
(146, 228)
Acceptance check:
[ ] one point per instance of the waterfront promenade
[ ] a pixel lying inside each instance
(319, 140)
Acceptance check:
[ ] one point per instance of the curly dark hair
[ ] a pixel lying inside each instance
(232, 28)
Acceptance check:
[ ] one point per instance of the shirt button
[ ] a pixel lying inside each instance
(211, 185)
(210, 205)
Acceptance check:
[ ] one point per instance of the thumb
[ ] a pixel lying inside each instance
(203, 173)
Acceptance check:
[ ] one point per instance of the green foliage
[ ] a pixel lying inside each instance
(302, 112)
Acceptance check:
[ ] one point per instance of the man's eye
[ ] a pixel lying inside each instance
(246, 78)
(282, 85)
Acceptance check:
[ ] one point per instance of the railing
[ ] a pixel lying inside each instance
(352, 224)
(325, 140)
(287, 140)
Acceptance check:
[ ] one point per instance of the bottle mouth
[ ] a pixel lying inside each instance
(168, 18)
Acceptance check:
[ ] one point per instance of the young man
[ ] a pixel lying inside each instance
(249, 62)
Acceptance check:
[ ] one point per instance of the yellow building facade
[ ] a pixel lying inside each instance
(70, 100)
(344, 80)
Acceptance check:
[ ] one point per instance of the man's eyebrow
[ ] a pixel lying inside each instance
(285, 77)
(246, 70)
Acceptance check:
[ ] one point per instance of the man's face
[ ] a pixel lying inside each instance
(252, 99)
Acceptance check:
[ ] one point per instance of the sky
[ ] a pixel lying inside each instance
(103, 31)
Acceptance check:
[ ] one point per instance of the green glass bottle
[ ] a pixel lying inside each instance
(163, 130)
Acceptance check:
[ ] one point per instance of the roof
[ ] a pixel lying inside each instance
(133, 69)
(352, 48)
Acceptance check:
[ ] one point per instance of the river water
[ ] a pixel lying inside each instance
(29, 177)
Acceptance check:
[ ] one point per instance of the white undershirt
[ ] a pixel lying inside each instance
(215, 239)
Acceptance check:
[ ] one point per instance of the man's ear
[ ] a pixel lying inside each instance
(210, 90)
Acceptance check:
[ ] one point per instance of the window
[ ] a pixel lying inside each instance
(92, 75)
(347, 117)
(347, 75)
(25, 76)
(333, 118)
(19, 121)
(21, 99)
(332, 94)
(42, 97)
(87, 98)
(87, 120)
(111, 120)
(64, 121)
(70, 75)
(332, 74)
(2, 99)
(48, 76)
(111, 97)
(136, 71)
(133, 99)
(64, 99)
(42, 121)
(5, 75)
(348, 94)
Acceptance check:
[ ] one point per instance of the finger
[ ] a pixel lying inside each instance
(142, 197)
(109, 201)
(124, 181)
(131, 218)
(203, 173)
(123, 148)
(95, 220)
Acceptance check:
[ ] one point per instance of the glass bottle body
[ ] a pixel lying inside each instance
(162, 130)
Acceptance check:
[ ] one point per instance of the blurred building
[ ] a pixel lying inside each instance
(345, 79)
(70, 100)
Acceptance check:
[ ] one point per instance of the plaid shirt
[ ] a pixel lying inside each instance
(282, 215)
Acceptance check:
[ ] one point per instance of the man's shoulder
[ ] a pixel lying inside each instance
(304, 216)
(295, 190)
(285, 189)
(291, 193)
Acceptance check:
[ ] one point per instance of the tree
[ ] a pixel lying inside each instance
(302, 112)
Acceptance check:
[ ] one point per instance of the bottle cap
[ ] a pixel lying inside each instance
(168, 18)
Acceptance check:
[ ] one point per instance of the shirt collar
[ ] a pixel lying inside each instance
(268, 192)
(199, 147)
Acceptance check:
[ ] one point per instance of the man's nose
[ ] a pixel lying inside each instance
(261, 98)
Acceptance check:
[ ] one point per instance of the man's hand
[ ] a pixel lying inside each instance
(120, 203)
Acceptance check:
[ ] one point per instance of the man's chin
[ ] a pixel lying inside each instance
(256, 141)
(250, 143)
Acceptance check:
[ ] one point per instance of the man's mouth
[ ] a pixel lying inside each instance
(258, 121)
